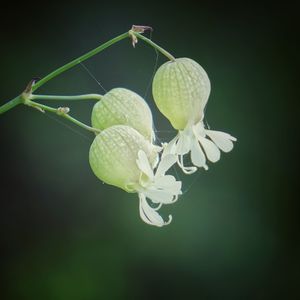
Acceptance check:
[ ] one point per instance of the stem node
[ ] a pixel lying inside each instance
(63, 111)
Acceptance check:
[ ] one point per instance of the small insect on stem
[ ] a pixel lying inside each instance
(141, 28)
(138, 29)
(29, 86)
(28, 92)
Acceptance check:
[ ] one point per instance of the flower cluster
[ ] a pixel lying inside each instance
(123, 154)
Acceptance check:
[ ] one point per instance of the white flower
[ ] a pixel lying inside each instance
(202, 143)
(180, 90)
(158, 187)
(122, 157)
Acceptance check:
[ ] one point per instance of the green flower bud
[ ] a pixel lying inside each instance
(180, 90)
(123, 107)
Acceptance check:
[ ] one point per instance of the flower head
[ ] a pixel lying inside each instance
(121, 106)
(122, 157)
(180, 91)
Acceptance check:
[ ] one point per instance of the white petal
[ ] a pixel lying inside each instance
(186, 170)
(160, 196)
(158, 206)
(175, 188)
(164, 181)
(197, 155)
(149, 214)
(184, 142)
(221, 139)
(211, 150)
(169, 184)
(143, 164)
(157, 148)
(198, 129)
(169, 148)
(165, 164)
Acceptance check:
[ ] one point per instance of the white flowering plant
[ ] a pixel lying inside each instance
(124, 152)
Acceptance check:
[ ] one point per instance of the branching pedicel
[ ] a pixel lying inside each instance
(123, 153)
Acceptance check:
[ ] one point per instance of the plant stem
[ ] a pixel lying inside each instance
(11, 104)
(61, 111)
(79, 60)
(95, 51)
(20, 99)
(58, 97)
(148, 41)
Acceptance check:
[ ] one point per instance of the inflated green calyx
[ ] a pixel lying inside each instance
(180, 90)
(123, 107)
(113, 156)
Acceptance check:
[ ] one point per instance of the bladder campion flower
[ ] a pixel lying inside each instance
(180, 90)
(123, 153)
(122, 157)
(121, 106)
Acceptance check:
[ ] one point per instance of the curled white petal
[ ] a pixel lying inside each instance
(185, 169)
(223, 140)
(149, 215)
(158, 206)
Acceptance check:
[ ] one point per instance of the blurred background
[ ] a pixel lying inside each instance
(235, 230)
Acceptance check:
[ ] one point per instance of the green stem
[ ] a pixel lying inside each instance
(11, 104)
(20, 99)
(148, 41)
(61, 111)
(63, 98)
(78, 60)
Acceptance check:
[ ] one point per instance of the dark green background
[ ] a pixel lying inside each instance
(235, 231)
